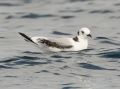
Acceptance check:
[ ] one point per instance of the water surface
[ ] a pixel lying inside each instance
(23, 66)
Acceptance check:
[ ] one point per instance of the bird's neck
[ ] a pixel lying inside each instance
(82, 37)
(78, 38)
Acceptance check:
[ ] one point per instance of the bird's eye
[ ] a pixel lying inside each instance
(82, 32)
(78, 33)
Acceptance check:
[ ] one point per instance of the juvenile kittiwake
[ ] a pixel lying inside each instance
(77, 43)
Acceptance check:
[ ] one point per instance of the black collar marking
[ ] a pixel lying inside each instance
(76, 39)
(54, 44)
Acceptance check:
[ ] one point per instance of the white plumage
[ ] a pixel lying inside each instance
(79, 42)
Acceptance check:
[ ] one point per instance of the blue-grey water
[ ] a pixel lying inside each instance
(22, 66)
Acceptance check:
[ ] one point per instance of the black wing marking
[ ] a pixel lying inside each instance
(76, 39)
(26, 37)
(53, 44)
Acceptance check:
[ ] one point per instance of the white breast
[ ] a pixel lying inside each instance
(83, 44)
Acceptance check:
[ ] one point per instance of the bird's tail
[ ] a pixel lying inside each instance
(26, 37)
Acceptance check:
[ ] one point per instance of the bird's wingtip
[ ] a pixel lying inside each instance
(20, 33)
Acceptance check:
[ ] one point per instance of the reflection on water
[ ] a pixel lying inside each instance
(22, 65)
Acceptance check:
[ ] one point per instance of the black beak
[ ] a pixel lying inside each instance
(89, 35)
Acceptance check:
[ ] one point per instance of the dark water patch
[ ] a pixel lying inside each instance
(72, 11)
(101, 11)
(79, 0)
(112, 54)
(117, 4)
(80, 75)
(94, 67)
(114, 17)
(10, 76)
(85, 75)
(67, 84)
(5, 67)
(103, 38)
(27, 57)
(2, 37)
(69, 87)
(19, 58)
(106, 40)
(29, 63)
(91, 66)
(9, 17)
(34, 16)
(113, 61)
(9, 4)
(118, 75)
(67, 17)
(46, 71)
(118, 33)
(76, 11)
(24, 60)
(59, 60)
(4, 13)
(38, 72)
(58, 56)
(109, 42)
(87, 50)
(64, 67)
(9, 60)
(29, 52)
(60, 33)
(20, 13)
(56, 73)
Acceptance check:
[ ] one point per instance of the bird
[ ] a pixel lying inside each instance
(65, 44)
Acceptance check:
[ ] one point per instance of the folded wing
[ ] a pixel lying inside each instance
(57, 43)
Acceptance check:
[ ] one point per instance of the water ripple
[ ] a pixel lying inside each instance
(23, 60)
(107, 40)
(110, 42)
(2, 37)
(10, 76)
(30, 52)
(93, 67)
(101, 11)
(79, 0)
(33, 15)
(67, 17)
(45, 71)
(29, 63)
(101, 38)
(9, 17)
(56, 73)
(5, 67)
(9, 4)
(73, 11)
(68, 84)
(58, 56)
(69, 87)
(9, 60)
(28, 57)
(117, 4)
(112, 54)
(114, 17)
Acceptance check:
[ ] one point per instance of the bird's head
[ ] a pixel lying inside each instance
(84, 32)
